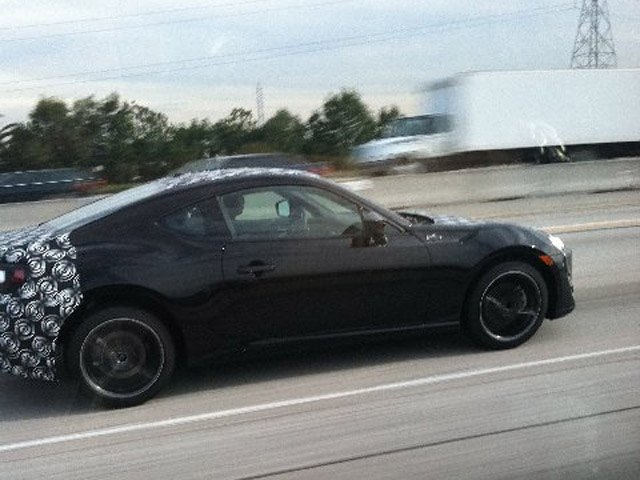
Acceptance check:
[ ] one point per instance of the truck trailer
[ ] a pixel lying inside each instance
(514, 116)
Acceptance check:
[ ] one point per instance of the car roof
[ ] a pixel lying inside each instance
(191, 179)
(166, 186)
(251, 160)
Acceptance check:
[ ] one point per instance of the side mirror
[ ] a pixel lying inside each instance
(371, 217)
(283, 209)
(374, 227)
(374, 233)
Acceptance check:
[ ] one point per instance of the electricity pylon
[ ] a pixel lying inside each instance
(260, 103)
(594, 46)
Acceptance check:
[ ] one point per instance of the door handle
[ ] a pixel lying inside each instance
(255, 268)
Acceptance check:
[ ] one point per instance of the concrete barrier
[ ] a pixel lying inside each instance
(500, 183)
(422, 190)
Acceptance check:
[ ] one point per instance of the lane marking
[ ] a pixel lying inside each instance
(424, 446)
(177, 421)
(588, 227)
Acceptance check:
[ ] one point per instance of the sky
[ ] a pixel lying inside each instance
(200, 59)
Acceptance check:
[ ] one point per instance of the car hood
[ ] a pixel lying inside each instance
(459, 221)
(460, 227)
(422, 218)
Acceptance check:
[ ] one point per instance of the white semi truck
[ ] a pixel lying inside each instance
(509, 116)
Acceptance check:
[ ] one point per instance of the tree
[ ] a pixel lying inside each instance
(234, 131)
(284, 132)
(129, 140)
(57, 142)
(385, 116)
(343, 122)
(192, 141)
(149, 140)
(132, 141)
(48, 139)
(15, 140)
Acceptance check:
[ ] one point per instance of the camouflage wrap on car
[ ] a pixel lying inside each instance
(32, 314)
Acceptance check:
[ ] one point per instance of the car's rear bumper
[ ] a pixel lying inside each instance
(33, 310)
(27, 345)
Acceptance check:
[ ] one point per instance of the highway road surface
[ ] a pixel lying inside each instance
(565, 405)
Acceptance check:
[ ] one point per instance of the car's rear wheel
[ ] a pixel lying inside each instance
(507, 306)
(121, 356)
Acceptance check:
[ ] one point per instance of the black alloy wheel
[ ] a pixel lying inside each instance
(122, 356)
(507, 306)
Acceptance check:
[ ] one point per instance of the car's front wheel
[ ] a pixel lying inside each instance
(507, 306)
(121, 356)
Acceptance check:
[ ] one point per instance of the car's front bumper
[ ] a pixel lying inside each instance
(563, 301)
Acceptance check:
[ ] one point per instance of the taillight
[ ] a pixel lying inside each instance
(14, 276)
(18, 276)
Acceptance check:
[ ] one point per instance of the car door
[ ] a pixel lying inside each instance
(188, 273)
(299, 265)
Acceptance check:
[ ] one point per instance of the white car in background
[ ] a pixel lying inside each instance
(404, 141)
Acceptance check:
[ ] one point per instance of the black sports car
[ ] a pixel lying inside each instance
(209, 264)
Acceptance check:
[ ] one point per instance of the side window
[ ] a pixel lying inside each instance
(290, 212)
(366, 227)
(260, 205)
(336, 204)
(202, 219)
(253, 214)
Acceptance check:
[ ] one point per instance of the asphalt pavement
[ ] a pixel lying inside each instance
(564, 405)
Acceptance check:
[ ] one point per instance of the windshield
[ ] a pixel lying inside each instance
(103, 207)
(411, 126)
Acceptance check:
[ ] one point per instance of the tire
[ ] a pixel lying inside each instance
(121, 356)
(507, 306)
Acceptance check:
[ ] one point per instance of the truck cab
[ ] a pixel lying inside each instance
(404, 140)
